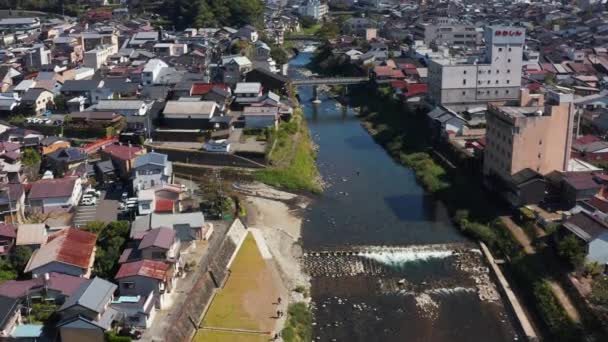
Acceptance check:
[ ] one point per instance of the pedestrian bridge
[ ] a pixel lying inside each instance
(330, 81)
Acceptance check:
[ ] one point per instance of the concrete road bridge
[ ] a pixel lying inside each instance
(316, 82)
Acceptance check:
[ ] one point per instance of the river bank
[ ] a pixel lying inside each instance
(405, 136)
(278, 215)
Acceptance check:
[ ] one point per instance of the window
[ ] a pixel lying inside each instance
(498, 71)
(488, 92)
(464, 72)
(464, 82)
(499, 49)
(464, 93)
(540, 155)
(508, 81)
(128, 285)
(478, 82)
(506, 91)
(509, 60)
(496, 92)
(508, 71)
(540, 142)
(488, 81)
(509, 49)
(145, 206)
(496, 81)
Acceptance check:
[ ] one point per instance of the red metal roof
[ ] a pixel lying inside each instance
(384, 71)
(75, 246)
(94, 146)
(145, 268)
(416, 89)
(164, 205)
(204, 88)
(123, 152)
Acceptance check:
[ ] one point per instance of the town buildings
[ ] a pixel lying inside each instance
(495, 76)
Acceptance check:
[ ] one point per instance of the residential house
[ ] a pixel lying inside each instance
(138, 310)
(55, 286)
(9, 102)
(187, 226)
(152, 170)
(87, 314)
(105, 172)
(31, 235)
(123, 107)
(247, 33)
(145, 276)
(8, 77)
(10, 315)
(261, 117)
(386, 74)
(51, 195)
(218, 93)
(52, 144)
(189, 114)
(123, 157)
(70, 251)
(159, 244)
(12, 201)
(96, 119)
(248, 93)
(8, 234)
(25, 137)
(269, 80)
(65, 159)
(90, 89)
(36, 100)
(152, 72)
(592, 232)
(235, 68)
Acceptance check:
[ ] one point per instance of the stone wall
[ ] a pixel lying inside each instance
(220, 252)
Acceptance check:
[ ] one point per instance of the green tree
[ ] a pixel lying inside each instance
(95, 227)
(571, 249)
(60, 103)
(20, 257)
(205, 17)
(30, 157)
(307, 21)
(328, 30)
(279, 55)
(7, 272)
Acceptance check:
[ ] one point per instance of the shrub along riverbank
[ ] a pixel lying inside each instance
(291, 157)
(406, 137)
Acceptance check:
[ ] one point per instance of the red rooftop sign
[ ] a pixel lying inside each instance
(508, 33)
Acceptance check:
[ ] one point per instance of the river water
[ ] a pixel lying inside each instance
(401, 277)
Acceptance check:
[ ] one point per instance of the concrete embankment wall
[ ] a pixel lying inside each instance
(220, 253)
(507, 292)
(208, 158)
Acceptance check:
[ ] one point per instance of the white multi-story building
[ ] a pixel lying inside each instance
(97, 57)
(448, 31)
(152, 71)
(494, 77)
(315, 9)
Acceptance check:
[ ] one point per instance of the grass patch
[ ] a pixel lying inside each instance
(229, 308)
(298, 327)
(204, 335)
(292, 157)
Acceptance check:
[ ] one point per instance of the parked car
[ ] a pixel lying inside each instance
(218, 146)
(88, 200)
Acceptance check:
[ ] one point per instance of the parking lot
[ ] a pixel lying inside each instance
(105, 210)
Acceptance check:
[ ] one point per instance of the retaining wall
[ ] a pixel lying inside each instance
(208, 158)
(221, 251)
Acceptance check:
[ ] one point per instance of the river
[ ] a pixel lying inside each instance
(409, 277)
